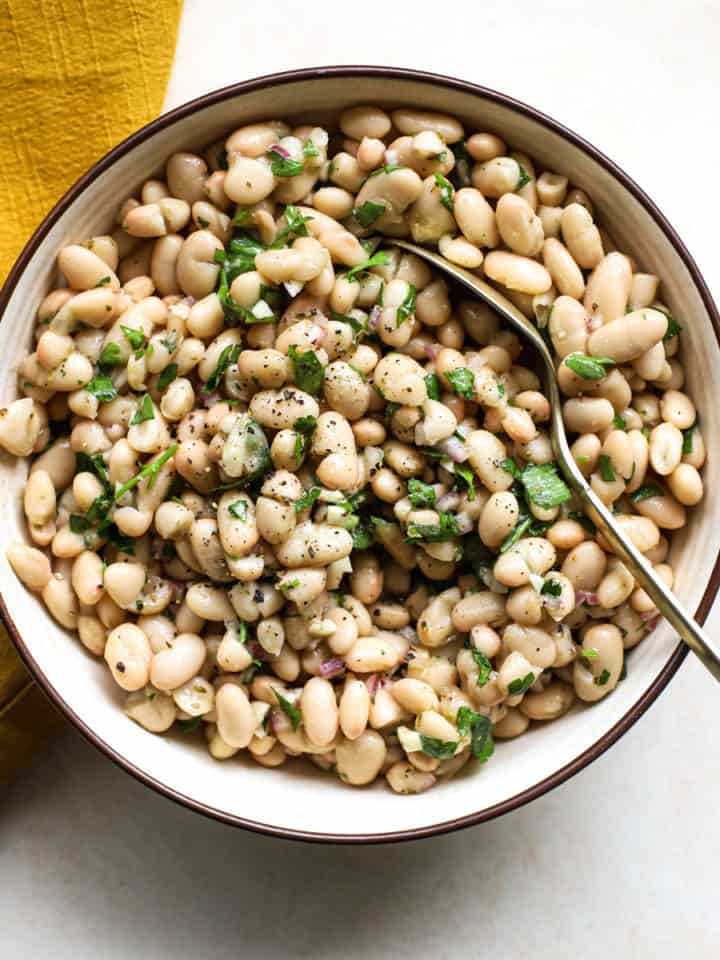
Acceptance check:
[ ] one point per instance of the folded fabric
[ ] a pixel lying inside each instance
(78, 76)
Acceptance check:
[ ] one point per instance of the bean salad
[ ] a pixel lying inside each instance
(300, 495)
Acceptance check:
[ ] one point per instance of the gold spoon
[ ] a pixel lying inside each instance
(666, 601)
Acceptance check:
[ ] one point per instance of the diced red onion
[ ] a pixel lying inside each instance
(188, 301)
(431, 350)
(449, 501)
(464, 522)
(374, 318)
(587, 596)
(649, 615)
(593, 323)
(259, 653)
(372, 683)
(210, 399)
(331, 667)
(453, 448)
(276, 148)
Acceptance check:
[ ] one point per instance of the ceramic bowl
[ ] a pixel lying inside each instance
(298, 801)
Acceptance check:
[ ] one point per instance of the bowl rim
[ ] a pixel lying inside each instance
(452, 84)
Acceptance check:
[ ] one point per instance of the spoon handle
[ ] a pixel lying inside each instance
(664, 599)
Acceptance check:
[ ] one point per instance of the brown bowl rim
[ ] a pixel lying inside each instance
(452, 84)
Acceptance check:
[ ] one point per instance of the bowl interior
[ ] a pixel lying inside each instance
(298, 799)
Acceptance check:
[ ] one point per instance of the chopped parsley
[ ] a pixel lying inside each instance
(309, 149)
(103, 282)
(420, 494)
(524, 177)
(102, 388)
(295, 226)
(388, 168)
(619, 422)
(78, 523)
(167, 376)
(446, 529)
(518, 686)
(283, 166)
(145, 411)
(589, 653)
(461, 380)
(187, 726)
(551, 588)
(687, 446)
(673, 327)
(136, 339)
(484, 667)
(228, 356)
(479, 728)
(369, 212)
(110, 356)
(150, 470)
(438, 749)
(463, 165)
(432, 382)
(309, 372)
(464, 476)
(646, 492)
(543, 486)
(407, 307)
(289, 709)
(589, 368)
(307, 499)
(238, 509)
(603, 678)
(607, 471)
(445, 189)
(379, 259)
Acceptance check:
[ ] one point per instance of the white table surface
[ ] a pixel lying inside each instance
(623, 859)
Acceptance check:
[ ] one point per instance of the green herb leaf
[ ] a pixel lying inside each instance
(239, 509)
(78, 523)
(524, 178)
(369, 212)
(284, 166)
(102, 388)
(646, 492)
(619, 422)
(305, 425)
(145, 411)
(307, 499)
(309, 372)
(110, 356)
(420, 494)
(551, 588)
(509, 466)
(438, 749)
(687, 446)
(673, 327)
(432, 382)
(589, 653)
(582, 520)
(518, 686)
(167, 376)
(446, 529)
(136, 338)
(379, 259)
(103, 282)
(309, 149)
(295, 226)
(589, 368)
(461, 380)
(479, 728)
(228, 356)
(461, 172)
(603, 678)
(607, 471)
(407, 307)
(289, 709)
(464, 474)
(150, 470)
(187, 726)
(521, 528)
(388, 168)
(242, 218)
(362, 536)
(445, 189)
(484, 667)
(543, 486)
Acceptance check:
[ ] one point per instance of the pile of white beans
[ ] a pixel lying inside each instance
(257, 470)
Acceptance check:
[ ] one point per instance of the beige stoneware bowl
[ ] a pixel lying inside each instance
(298, 801)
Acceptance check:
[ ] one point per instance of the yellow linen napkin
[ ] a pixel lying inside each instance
(77, 77)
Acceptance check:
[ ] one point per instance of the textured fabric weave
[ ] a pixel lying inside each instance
(76, 78)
